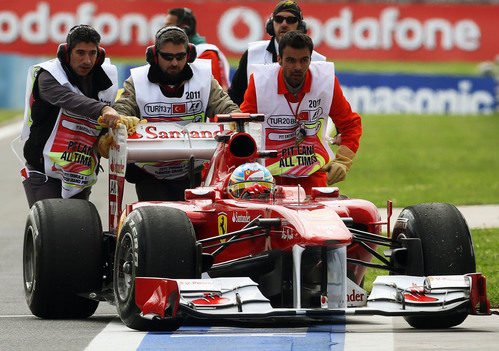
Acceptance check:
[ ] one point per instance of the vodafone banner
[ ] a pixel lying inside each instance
(384, 31)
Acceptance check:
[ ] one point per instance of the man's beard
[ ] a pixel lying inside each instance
(174, 76)
(295, 79)
(156, 75)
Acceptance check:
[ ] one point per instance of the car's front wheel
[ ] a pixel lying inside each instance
(447, 249)
(157, 242)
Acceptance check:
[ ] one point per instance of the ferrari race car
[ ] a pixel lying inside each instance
(211, 257)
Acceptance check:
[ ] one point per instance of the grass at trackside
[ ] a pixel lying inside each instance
(452, 67)
(486, 243)
(8, 115)
(411, 159)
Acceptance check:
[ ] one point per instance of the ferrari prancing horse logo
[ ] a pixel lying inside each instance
(222, 225)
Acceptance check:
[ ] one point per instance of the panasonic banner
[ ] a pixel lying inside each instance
(384, 93)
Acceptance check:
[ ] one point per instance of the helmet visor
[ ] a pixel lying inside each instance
(237, 189)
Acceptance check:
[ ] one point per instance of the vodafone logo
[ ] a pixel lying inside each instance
(384, 32)
(389, 30)
(43, 24)
(344, 30)
(237, 16)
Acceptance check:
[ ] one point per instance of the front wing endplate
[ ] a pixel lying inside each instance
(240, 298)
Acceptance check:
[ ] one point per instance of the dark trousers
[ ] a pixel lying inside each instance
(39, 187)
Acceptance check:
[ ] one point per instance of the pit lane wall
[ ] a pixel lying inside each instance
(30, 29)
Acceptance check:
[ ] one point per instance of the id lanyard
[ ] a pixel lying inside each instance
(300, 132)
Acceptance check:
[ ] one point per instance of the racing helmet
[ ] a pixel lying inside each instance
(251, 180)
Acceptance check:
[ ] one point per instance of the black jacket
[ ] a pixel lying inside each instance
(240, 78)
(44, 113)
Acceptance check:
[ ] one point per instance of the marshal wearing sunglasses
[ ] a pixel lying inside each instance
(169, 57)
(286, 17)
(173, 87)
(289, 19)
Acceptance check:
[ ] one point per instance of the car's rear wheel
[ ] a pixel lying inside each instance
(447, 249)
(158, 242)
(62, 257)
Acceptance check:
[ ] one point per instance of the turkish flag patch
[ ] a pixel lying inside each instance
(178, 108)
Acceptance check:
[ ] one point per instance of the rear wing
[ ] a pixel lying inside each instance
(155, 142)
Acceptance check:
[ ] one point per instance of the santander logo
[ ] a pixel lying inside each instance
(355, 296)
(238, 218)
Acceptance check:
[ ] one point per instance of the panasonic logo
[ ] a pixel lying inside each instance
(420, 100)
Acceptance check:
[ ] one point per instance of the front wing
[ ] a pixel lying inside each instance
(239, 298)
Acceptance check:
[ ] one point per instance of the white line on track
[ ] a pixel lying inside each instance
(369, 333)
(10, 130)
(116, 336)
(16, 316)
(30, 315)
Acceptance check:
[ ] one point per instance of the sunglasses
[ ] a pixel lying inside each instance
(169, 57)
(289, 20)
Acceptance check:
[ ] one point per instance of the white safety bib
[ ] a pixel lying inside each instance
(190, 107)
(299, 139)
(258, 54)
(68, 153)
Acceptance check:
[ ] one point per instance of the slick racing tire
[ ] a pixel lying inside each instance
(62, 258)
(157, 242)
(447, 249)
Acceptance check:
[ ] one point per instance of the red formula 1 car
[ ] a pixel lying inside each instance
(288, 256)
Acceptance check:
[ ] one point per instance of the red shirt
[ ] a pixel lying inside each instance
(216, 67)
(346, 121)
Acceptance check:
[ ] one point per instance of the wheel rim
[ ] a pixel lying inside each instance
(126, 268)
(29, 261)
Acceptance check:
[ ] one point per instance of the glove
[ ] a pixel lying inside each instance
(109, 117)
(130, 123)
(338, 168)
(336, 139)
(256, 191)
(103, 144)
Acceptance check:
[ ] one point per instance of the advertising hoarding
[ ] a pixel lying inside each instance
(384, 93)
(375, 31)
